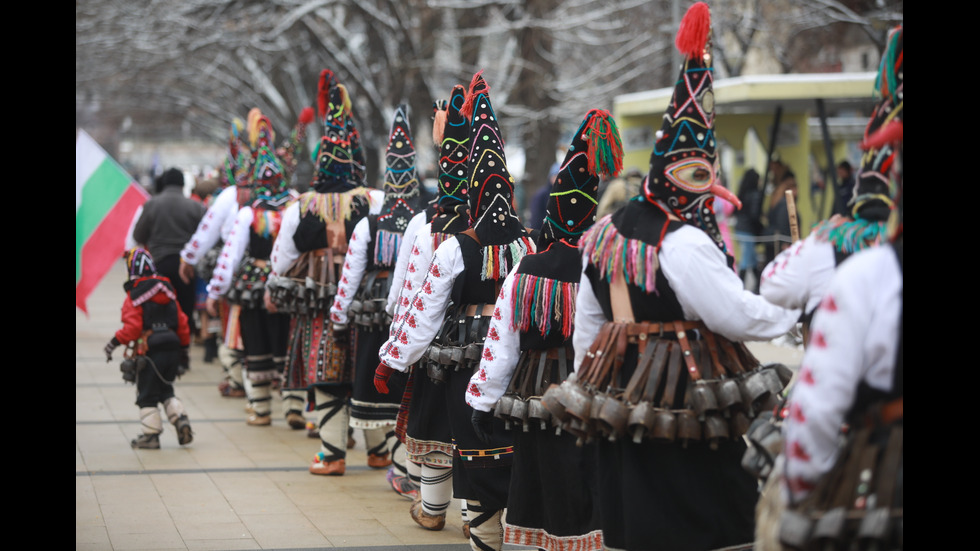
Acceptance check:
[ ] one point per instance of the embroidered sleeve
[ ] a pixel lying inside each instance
(284, 251)
(231, 255)
(709, 291)
(416, 267)
(355, 263)
(853, 338)
(501, 350)
(401, 264)
(209, 229)
(425, 310)
(799, 276)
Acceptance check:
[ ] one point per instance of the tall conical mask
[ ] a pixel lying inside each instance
(682, 166)
(454, 138)
(401, 189)
(333, 164)
(874, 192)
(491, 186)
(596, 152)
(270, 188)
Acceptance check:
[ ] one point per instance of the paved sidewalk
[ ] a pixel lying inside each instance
(235, 486)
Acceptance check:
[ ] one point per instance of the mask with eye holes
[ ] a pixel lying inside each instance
(683, 163)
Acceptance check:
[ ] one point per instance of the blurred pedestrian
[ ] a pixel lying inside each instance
(168, 220)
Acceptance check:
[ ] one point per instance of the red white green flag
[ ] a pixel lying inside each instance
(106, 199)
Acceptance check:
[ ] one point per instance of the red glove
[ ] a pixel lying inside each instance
(381, 376)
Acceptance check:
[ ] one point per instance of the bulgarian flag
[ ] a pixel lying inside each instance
(106, 199)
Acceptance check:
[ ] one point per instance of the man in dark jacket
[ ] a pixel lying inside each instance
(167, 222)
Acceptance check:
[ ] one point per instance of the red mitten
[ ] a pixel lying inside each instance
(381, 376)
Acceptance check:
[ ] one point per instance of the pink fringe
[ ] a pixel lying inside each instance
(614, 254)
(541, 300)
(386, 247)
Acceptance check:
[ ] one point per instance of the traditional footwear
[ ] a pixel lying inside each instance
(425, 520)
(146, 442)
(466, 529)
(184, 433)
(376, 461)
(257, 420)
(401, 484)
(229, 390)
(295, 420)
(311, 430)
(330, 468)
(249, 408)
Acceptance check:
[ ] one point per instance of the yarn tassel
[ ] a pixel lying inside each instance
(438, 238)
(692, 36)
(266, 222)
(540, 302)
(386, 247)
(605, 147)
(330, 207)
(498, 259)
(613, 254)
(477, 86)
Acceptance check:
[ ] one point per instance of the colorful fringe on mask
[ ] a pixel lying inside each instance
(438, 239)
(386, 248)
(541, 300)
(266, 222)
(495, 258)
(330, 207)
(612, 253)
(851, 236)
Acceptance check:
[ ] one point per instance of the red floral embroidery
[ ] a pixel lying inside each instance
(818, 339)
(427, 288)
(483, 374)
(828, 303)
(411, 321)
(343, 279)
(496, 314)
(411, 268)
(415, 250)
(341, 292)
(435, 271)
(797, 451)
(492, 335)
(418, 304)
(394, 352)
(402, 337)
(797, 412)
(806, 375)
(473, 390)
(487, 355)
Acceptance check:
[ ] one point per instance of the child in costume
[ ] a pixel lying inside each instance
(158, 329)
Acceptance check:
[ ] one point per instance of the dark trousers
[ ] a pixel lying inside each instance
(169, 267)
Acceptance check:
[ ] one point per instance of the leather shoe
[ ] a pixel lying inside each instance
(425, 520)
(256, 420)
(329, 468)
(296, 421)
(376, 461)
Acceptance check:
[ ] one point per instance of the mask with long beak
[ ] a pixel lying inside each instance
(683, 175)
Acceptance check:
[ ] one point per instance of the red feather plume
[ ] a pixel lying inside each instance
(692, 36)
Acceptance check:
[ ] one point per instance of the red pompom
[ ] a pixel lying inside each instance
(692, 36)
(477, 86)
(306, 115)
(323, 92)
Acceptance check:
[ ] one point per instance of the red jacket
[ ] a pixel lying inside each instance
(132, 316)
